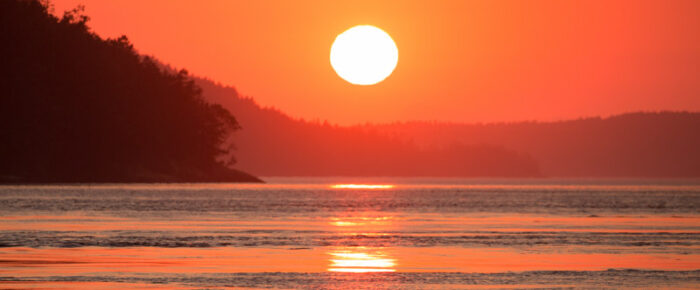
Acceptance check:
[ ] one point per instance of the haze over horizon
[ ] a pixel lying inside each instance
(458, 61)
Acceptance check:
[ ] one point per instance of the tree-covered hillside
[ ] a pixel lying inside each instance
(273, 144)
(78, 108)
(649, 145)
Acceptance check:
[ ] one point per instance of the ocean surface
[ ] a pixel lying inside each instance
(326, 233)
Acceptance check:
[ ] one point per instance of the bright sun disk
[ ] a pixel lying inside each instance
(364, 55)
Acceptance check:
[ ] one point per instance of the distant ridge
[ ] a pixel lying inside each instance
(662, 144)
(635, 145)
(273, 144)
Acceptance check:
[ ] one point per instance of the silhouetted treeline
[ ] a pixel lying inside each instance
(651, 144)
(273, 144)
(661, 144)
(77, 108)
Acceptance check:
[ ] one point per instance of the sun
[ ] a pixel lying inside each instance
(364, 55)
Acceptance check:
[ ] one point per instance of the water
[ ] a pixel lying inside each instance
(303, 233)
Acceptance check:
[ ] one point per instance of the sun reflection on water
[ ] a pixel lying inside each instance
(362, 186)
(369, 224)
(354, 260)
(361, 258)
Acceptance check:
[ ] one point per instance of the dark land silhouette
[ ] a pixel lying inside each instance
(641, 144)
(273, 144)
(78, 108)
(645, 144)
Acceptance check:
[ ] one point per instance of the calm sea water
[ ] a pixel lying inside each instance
(304, 233)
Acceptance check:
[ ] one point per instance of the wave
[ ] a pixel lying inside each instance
(660, 241)
(611, 278)
(274, 201)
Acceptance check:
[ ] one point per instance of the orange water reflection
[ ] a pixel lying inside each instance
(361, 259)
(361, 224)
(362, 186)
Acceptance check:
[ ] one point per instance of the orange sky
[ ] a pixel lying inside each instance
(462, 61)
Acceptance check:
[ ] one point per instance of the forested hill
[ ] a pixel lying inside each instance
(78, 108)
(273, 144)
(650, 145)
(642, 144)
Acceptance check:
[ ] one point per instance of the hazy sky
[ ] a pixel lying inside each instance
(458, 60)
